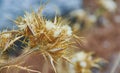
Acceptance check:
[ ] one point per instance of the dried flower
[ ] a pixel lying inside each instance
(109, 5)
(52, 39)
(83, 62)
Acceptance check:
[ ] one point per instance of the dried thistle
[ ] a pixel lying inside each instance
(83, 62)
(11, 45)
(35, 33)
(52, 39)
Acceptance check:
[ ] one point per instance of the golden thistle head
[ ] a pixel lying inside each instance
(83, 62)
(52, 39)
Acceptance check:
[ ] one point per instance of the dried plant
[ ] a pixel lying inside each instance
(53, 39)
(81, 62)
(50, 38)
(35, 33)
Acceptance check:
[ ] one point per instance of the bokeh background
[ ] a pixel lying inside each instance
(100, 25)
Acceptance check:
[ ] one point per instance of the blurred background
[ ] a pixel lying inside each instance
(10, 9)
(96, 20)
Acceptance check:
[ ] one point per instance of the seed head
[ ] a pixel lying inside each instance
(83, 63)
(51, 38)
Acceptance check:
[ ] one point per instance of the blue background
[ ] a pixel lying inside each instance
(11, 9)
